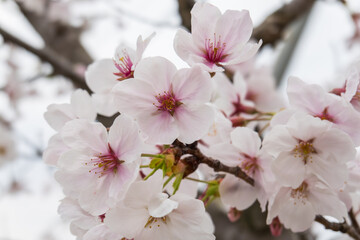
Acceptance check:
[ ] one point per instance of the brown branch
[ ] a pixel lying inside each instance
(213, 163)
(272, 28)
(338, 227)
(59, 64)
(185, 7)
(354, 222)
(58, 36)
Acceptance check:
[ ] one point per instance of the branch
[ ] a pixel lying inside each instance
(213, 163)
(59, 36)
(272, 29)
(354, 222)
(185, 7)
(338, 227)
(59, 64)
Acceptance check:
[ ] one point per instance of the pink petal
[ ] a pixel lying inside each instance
(192, 85)
(100, 75)
(237, 193)
(156, 71)
(124, 138)
(193, 122)
(234, 28)
(246, 140)
(160, 127)
(288, 169)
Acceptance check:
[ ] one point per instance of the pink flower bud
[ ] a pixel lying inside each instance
(276, 227)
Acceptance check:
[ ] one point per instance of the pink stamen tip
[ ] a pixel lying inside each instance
(214, 50)
(167, 102)
(105, 163)
(124, 64)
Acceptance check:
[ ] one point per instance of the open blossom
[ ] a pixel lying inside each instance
(216, 39)
(147, 213)
(314, 100)
(101, 76)
(309, 145)
(244, 152)
(80, 107)
(167, 103)
(297, 207)
(231, 97)
(99, 166)
(84, 225)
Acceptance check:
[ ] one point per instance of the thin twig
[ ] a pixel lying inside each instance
(59, 64)
(338, 227)
(354, 222)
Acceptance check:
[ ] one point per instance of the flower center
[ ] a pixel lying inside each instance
(240, 108)
(214, 49)
(325, 115)
(249, 164)
(156, 221)
(300, 193)
(124, 64)
(105, 163)
(304, 150)
(167, 102)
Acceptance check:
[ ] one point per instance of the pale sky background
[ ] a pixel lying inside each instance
(322, 55)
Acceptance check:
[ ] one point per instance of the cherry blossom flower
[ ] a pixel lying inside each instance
(148, 213)
(84, 225)
(244, 152)
(313, 99)
(309, 145)
(297, 207)
(101, 76)
(231, 97)
(167, 103)
(99, 166)
(80, 107)
(216, 39)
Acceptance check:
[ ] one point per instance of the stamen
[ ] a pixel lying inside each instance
(167, 102)
(124, 64)
(300, 193)
(105, 163)
(152, 220)
(304, 150)
(214, 50)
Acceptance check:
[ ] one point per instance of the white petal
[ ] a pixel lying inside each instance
(59, 114)
(331, 171)
(82, 105)
(124, 138)
(234, 28)
(246, 140)
(288, 169)
(128, 222)
(193, 122)
(192, 85)
(135, 196)
(100, 75)
(336, 143)
(83, 134)
(156, 71)
(160, 205)
(104, 103)
(160, 127)
(237, 193)
(203, 19)
(133, 96)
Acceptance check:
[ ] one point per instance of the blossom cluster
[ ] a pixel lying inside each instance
(138, 179)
